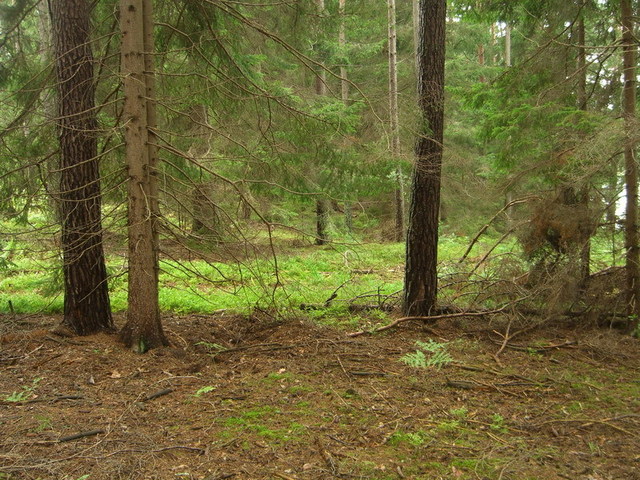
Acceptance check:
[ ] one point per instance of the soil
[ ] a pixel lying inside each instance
(260, 398)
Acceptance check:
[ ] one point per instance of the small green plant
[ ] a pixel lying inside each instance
(203, 390)
(25, 394)
(212, 347)
(497, 423)
(415, 439)
(594, 448)
(44, 423)
(461, 412)
(439, 356)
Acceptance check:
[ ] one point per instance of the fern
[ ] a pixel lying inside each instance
(439, 356)
(416, 360)
(431, 346)
(439, 359)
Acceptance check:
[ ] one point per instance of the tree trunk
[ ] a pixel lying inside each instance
(421, 282)
(394, 120)
(507, 45)
(143, 329)
(322, 221)
(585, 255)
(344, 91)
(416, 28)
(342, 42)
(481, 61)
(86, 296)
(322, 212)
(631, 167)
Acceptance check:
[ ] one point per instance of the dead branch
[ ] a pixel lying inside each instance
(432, 318)
(159, 393)
(76, 436)
(488, 224)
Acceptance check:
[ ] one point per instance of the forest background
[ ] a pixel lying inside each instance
(259, 196)
(283, 141)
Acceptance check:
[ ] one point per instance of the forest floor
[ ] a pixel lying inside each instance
(254, 398)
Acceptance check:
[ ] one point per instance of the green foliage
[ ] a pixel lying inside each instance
(415, 439)
(439, 356)
(203, 390)
(25, 394)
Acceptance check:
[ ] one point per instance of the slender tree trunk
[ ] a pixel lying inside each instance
(322, 211)
(481, 60)
(322, 222)
(344, 92)
(394, 123)
(86, 299)
(143, 329)
(421, 281)
(585, 255)
(342, 42)
(631, 168)
(416, 29)
(507, 46)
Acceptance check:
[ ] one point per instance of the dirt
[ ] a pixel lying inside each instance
(255, 398)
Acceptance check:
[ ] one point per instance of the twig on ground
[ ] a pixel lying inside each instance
(159, 393)
(432, 318)
(76, 436)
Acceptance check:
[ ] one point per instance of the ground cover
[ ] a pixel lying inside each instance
(257, 397)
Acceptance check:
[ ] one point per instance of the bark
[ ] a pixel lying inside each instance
(420, 289)
(481, 60)
(394, 120)
(322, 212)
(416, 28)
(585, 255)
(507, 46)
(143, 329)
(344, 91)
(86, 297)
(342, 41)
(322, 220)
(631, 168)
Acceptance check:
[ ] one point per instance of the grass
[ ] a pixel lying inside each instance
(31, 279)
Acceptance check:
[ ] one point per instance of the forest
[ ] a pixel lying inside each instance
(315, 239)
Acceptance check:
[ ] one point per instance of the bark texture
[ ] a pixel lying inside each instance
(394, 122)
(631, 167)
(421, 280)
(86, 297)
(143, 329)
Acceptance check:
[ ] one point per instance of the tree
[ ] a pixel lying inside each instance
(86, 298)
(631, 167)
(322, 207)
(143, 329)
(420, 282)
(394, 118)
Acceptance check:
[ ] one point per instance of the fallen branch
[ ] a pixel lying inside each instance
(159, 393)
(76, 436)
(432, 318)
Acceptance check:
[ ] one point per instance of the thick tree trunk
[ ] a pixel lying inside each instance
(86, 299)
(143, 329)
(631, 167)
(421, 282)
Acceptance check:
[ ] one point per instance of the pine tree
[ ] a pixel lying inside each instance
(86, 298)
(421, 282)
